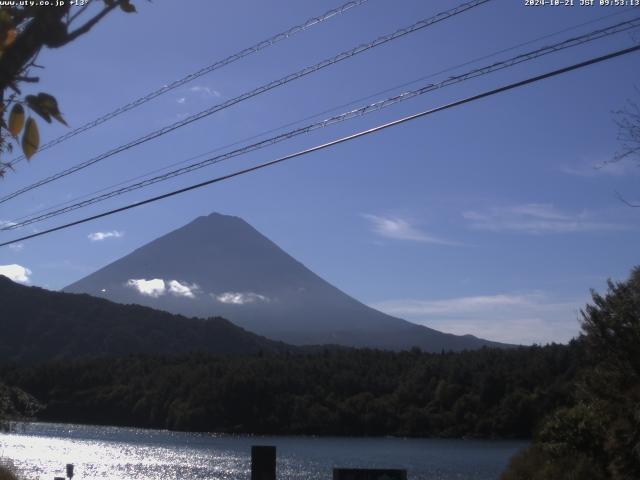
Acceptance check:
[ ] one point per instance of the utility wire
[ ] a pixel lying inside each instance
(338, 141)
(374, 107)
(319, 114)
(203, 71)
(262, 89)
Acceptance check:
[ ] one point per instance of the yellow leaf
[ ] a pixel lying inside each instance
(16, 119)
(30, 139)
(10, 37)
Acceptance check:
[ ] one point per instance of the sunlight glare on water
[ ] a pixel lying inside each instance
(41, 451)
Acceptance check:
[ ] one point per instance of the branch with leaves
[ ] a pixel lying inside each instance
(24, 31)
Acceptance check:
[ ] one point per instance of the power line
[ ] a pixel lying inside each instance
(324, 112)
(203, 71)
(262, 89)
(524, 57)
(338, 141)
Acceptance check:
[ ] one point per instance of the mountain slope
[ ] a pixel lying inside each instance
(38, 324)
(220, 265)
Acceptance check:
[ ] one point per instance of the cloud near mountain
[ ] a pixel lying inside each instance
(101, 236)
(239, 298)
(15, 272)
(157, 287)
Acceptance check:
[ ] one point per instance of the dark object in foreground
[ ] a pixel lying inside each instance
(368, 474)
(263, 462)
(263, 467)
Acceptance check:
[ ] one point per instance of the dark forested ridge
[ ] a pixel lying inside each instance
(38, 324)
(71, 354)
(484, 393)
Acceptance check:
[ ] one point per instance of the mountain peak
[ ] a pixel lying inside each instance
(216, 216)
(219, 265)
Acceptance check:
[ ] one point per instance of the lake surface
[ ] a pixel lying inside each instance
(41, 451)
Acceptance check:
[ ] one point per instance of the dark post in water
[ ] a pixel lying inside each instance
(368, 474)
(263, 462)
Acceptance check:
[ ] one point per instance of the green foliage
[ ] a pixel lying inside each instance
(599, 435)
(335, 392)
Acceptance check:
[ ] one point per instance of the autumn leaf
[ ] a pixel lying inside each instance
(10, 37)
(30, 139)
(16, 119)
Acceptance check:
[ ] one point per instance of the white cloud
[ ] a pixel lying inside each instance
(240, 298)
(536, 218)
(152, 288)
(609, 168)
(522, 318)
(100, 236)
(158, 287)
(14, 272)
(17, 247)
(205, 91)
(6, 223)
(400, 229)
(453, 305)
(182, 289)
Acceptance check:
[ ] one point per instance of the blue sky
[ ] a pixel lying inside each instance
(487, 219)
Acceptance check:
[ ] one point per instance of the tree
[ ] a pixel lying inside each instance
(600, 433)
(628, 122)
(24, 31)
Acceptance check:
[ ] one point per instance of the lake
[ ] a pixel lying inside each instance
(41, 450)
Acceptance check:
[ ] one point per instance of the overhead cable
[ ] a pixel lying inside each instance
(245, 96)
(332, 143)
(374, 107)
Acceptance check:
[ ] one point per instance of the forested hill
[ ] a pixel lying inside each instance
(38, 324)
(483, 393)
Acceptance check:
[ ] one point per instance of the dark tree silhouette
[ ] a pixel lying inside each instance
(598, 437)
